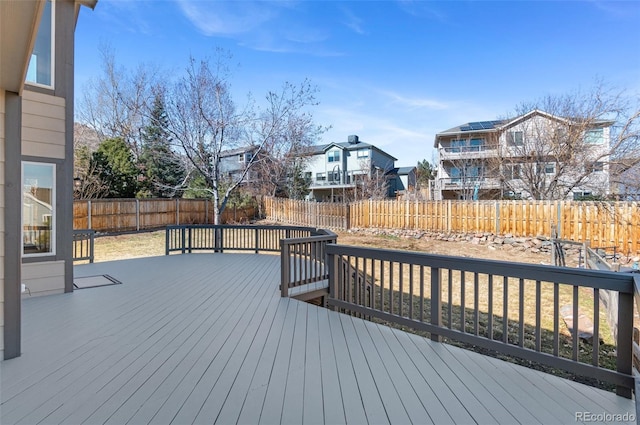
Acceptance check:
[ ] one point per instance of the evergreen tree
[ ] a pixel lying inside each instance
(161, 168)
(115, 168)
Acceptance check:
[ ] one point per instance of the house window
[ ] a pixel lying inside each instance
(40, 70)
(515, 138)
(597, 166)
(334, 176)
(594, 136)
(321, 177)
(241, 158)
(334, 156)
(581, 195)
(550, 168)
(363, 153)
(512, 171)
(38, 208)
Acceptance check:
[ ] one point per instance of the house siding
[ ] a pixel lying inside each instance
(44, 278)
(2, 228)
(43, 125)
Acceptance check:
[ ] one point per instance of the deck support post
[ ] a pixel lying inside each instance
(284, 268)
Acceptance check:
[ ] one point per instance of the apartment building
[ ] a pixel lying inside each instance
(36, 155)
(533, 156)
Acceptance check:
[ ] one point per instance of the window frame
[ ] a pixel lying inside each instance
(333, 156)
(362, 153)
(512, 139)
(53, 213)
(52, 64)
(546, 168)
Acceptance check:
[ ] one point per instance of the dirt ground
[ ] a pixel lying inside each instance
(431, 246)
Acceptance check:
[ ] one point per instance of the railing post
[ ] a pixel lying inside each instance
(183, 234)
(285, 268)
(189, 240)
(436, 302)
(91, 242)
(166, 240)
(332, 263)
(257, 239)
(624, 360)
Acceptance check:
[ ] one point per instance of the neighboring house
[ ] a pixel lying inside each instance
(234, 162)
(337, 169)
(402, 180)
(503, 158)
(36, 139)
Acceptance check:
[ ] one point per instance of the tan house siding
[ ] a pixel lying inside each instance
(43, 278)
(2, 223)
(43, 125)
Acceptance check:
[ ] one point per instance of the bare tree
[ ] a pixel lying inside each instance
(205, 121)
(117, 103)
(565, 143)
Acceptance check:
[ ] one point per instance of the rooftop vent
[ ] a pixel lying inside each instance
(353, 139)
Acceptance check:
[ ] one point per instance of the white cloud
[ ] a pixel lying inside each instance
(353, 22)
(226, 17)
(416, 102)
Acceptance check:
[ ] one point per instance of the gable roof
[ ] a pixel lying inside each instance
(321, 149)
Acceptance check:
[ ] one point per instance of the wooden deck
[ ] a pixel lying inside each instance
(207, 338)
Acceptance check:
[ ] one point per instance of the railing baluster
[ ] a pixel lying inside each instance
(450, 298)
(421, 293)
(391, 287)
(490, 305)
(576, 333)
(538, 316)
(521, 313)
(476, 303)
(505, 311)
(463, 326)
(556, 318)
(596, 327)
(401, 290)
(436, 313)
(411, 291)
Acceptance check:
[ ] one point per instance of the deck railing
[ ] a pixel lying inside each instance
(510, 308)
(303, 260)
(220, 238)
(83, 242)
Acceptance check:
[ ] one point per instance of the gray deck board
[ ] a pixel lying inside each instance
(206, 338)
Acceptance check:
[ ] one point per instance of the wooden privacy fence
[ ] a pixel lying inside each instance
(316, 214)
(121, 215)
(602, 223)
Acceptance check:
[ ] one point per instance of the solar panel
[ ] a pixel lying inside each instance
(465, 128)
(475, 126)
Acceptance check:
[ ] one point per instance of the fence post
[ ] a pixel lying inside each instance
(206, 211)
(624, 358)
(559, 220)
(137, 215)
(89, 214)
(347, 209)
(436, 302)
(449, 216)
(497, 206)
(177, 211)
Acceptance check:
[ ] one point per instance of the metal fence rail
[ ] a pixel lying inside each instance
(486, 303)
(83, 244)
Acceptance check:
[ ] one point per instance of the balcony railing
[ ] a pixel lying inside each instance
(483, 303)
(455, 152)
(469, 183)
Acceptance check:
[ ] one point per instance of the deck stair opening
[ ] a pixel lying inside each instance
(94, 281)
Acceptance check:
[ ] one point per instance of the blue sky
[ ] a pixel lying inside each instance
(393, 72)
